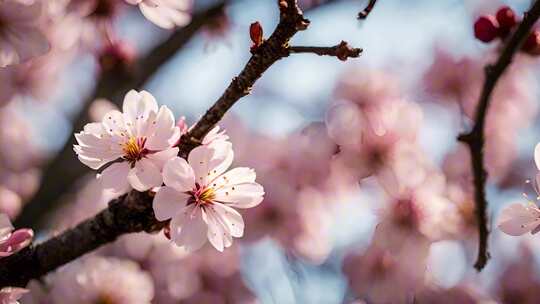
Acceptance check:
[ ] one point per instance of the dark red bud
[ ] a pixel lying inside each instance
(486, 28)
(256, 33)
(506, 17)
(532, 44)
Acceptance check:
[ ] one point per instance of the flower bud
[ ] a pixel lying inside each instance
(506, 17)
(532, 44)
(486, 28)
(116, 55)
(256, 35)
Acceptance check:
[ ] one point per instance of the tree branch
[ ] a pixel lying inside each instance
(475, 138)
(113, 85)
(133, 212)
(342, 51)
(365, 13)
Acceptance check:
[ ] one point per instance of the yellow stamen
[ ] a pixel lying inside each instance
(208, 195)
(131, 149)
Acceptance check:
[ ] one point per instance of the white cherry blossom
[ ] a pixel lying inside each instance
(199, 196)
(165, 13)
(134, 144)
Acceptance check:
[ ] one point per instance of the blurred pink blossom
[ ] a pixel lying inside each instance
(12, 241)
(165, 13)
(20, 38)
(10, 295)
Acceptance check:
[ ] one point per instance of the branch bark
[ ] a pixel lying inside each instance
(342, 51)
(133, 212)
(113, 85)
(475, 138)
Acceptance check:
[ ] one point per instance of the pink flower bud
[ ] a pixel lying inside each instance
(486, 28)
(532, 44)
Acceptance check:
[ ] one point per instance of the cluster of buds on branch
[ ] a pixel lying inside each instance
(488, 28)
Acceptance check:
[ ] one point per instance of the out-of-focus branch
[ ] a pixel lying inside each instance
(133, 212)
(475, 138)
(342, 51)
(63, 170)
(365, 13)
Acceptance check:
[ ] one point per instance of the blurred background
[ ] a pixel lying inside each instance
(334, 227)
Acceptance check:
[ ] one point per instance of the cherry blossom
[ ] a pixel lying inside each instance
(98, 279)
(12, 241)
(20, 38)
(165, 13)
(518, 219)
(10, 295)
(199, 196)
(135, 144)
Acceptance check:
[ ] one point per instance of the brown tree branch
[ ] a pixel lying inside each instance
(63, 170)
(365, 13)
(133, 212)
(475, 138)
(342, 51)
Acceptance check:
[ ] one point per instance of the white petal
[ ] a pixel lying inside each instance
(219, 234)
(164, 16)
(209, 162)
(235, 176)
(115, 177)
(518, 219)
(144, 175)
(245, 195)
(168, 202)
(164, 132)
(537, 156)
(138, 108)
(188, 228)
(178, 174)
(161, 158)
(230, 217)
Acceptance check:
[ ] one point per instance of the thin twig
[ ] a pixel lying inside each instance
(475, 138)
(365, 13)
(133, 211)
(113, 85)
(342, 51)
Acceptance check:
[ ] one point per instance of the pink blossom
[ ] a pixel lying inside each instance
(215, 135)
(10, 295)
(136, 144)
(165, 13)
(96, 279)
(199, 194)
(20, 38)
(12, 241)
(518, 219)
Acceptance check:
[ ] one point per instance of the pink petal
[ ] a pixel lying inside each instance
(209, 162)
(137, 108)
(235, 176)
(229, 217)
(168, 202)
(218, 231)
(10, 295)
(164, 132)
(115, 177)
(245, 195)
(161, 158)
(518, 219)
(164, 16)
(144, 175)
(177, 173)
(188, 229)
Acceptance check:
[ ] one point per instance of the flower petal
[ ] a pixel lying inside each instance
(518, 219)
(219, 234)
(177, 173)
(168, 202)
(164, 132)
(115, 177)
(229, 217)
(188, 228)
(144, 175)
(209, 162)
(162, 157)
(245, 195)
